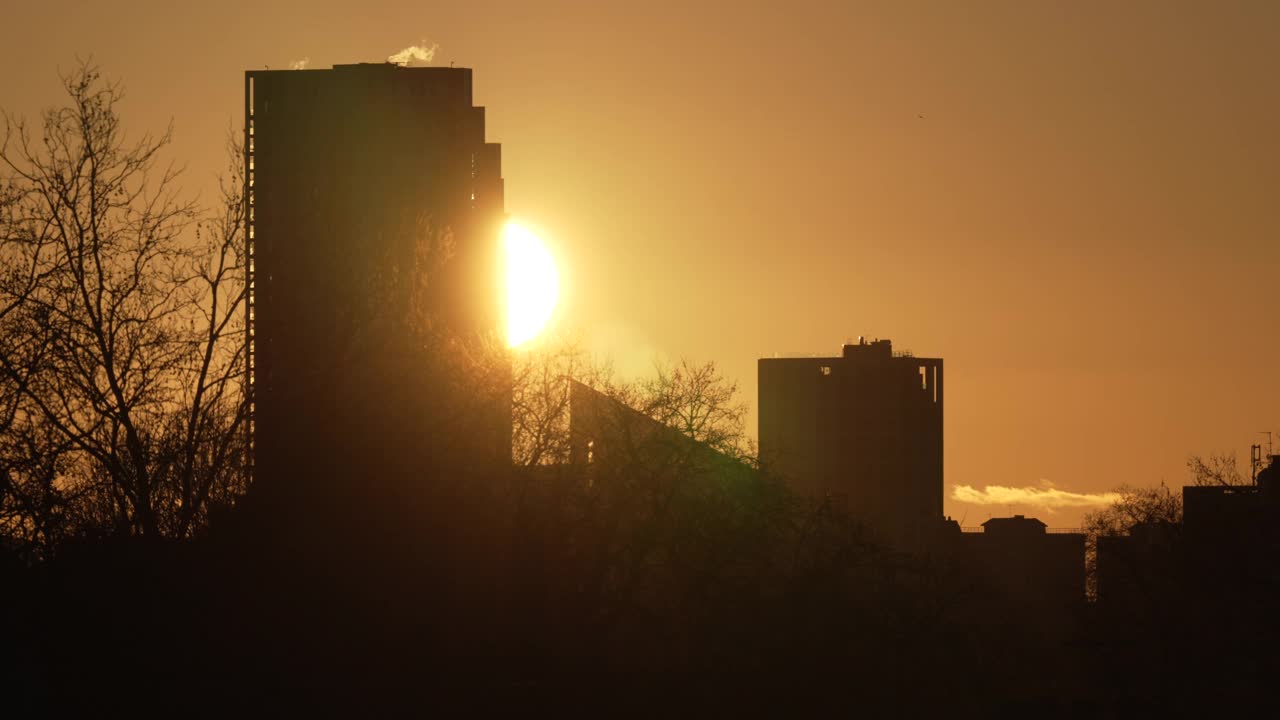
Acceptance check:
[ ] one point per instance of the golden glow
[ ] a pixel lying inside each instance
(533, 284)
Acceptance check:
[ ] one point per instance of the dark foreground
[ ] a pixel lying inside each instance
(487, 601)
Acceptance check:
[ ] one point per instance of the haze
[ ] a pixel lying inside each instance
(1072, 203)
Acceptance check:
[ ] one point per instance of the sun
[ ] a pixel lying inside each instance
(533, 284)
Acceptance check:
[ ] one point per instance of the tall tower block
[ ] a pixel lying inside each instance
(350, 173)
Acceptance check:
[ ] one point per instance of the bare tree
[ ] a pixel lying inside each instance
(1216, 470)
(1136, 506)
(121, 358)
(695, 402)
(701, 404)
(540, 394)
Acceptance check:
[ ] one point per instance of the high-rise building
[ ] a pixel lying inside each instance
(864, 430)
(360, 181)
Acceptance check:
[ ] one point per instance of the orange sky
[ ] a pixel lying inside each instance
(1083, 223)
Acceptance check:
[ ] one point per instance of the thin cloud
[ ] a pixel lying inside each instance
(1048, 497)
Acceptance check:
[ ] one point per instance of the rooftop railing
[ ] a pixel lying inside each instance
(978, 529)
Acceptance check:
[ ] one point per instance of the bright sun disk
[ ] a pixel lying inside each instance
(533, 284)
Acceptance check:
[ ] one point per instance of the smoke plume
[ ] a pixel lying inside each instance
(421, 53)
(300, 64)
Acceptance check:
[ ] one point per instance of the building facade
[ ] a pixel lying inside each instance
(365, 185)
(1039, 568)
(863, 429)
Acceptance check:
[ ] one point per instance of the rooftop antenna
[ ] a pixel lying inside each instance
(1256, 458)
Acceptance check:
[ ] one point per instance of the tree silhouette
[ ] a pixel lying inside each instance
(1216, 469)
(701, 404)
(1136, 506)
(540, 398)
(121, 335)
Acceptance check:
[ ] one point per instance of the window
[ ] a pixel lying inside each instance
(826, 369)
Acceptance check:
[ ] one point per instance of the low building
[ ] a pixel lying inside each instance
(1030, 564)
(605, 432)
(1138, 568)
(1232, 541)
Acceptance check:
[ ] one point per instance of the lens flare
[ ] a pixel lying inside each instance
(533, 284)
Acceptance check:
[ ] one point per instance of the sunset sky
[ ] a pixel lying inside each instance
(1073, 203)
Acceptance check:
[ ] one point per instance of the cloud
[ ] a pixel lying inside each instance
(300, 64)
(421, 53)
(1047, 496)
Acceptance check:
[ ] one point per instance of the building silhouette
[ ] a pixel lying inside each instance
(359, 179)
(1042, 570)
(1223, 554)
(1139, 568)
(605, 432)
(1231, 541)
(864, 430)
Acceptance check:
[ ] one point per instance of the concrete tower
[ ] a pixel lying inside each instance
(863, 429)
